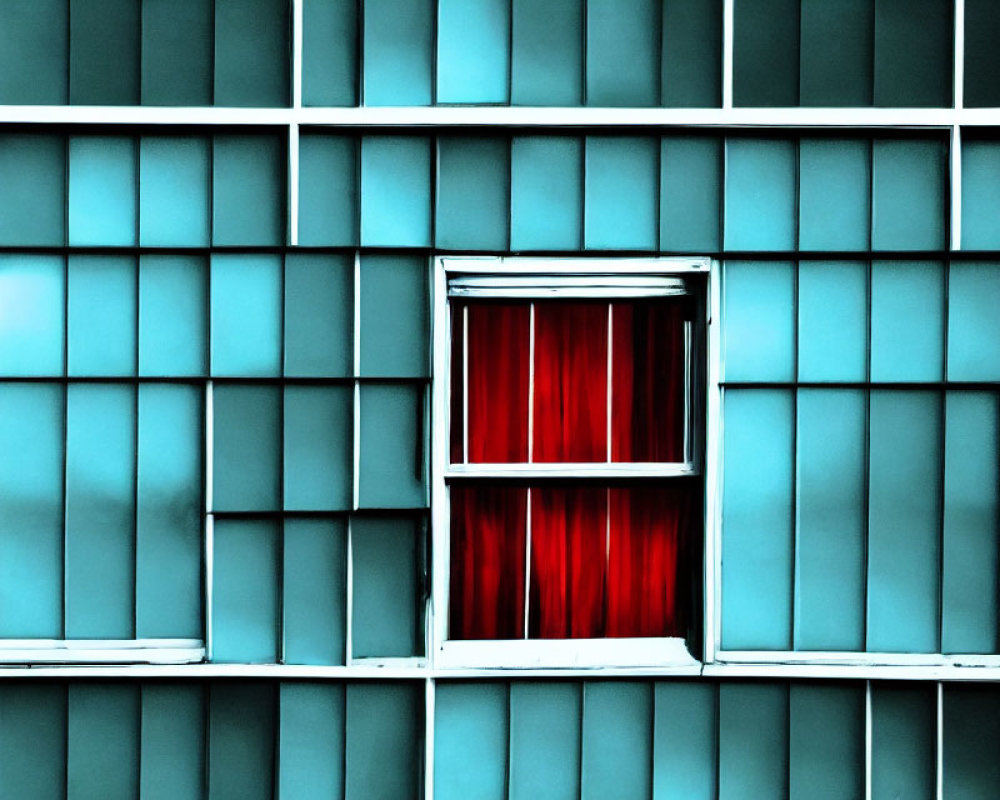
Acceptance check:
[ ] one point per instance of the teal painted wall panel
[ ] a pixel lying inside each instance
(396, 175)
(473, 51)
(384, 721)
(395, 317)
(242, 725)
(685, 734)
(32, 333)
(546, 53)
(982, 59)
(314, 613)
(102, 758)
(252, 52)
(177, 54)
(102, 190)
(545, 740)
(623, 52)
(311, 741)
(832, 332)
(971, 722)
(32, 189)
(826, 737)
(753, 740)
(33, 740)
(760, 194)
(174, 183)
(903, 720)
(246, 448)
(837, 51)
(393, 452)
(973, 324)
(246, 314)
(319, 315)
(909, 189)
(617, 750)
(691, 54)
(473, 193)
(104, 52)
(173, 315)
(980, 194)
(834, 194)
(913, 53)
(398, 47)
(318, 458)
(330, 52)
(766, 53)
(328, 190)
(622, 193)
(907, 324)
(471, 740)
(102, 315)
(759, 321)
(546, 193)
(172, 741)
(690, 193)
(34, 52)
(248, 190)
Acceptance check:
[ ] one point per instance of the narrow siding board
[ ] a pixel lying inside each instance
(623, 53)
(753, 740)
(384, 721)
(766, 53)
(758, 321)
(248, 190)
(172, 741)
(690, 193)
(101, 316)
(826, 741)
(473, 193)
(33, 739)
(398, 52)
(617, 752)
(760, 190)
(909, 190)
(837, 51)
(546, 204)
(317, 448)
(177, 54)
(102, 191)
(174, 185)
(311, 745)
(395, 316)
(691, 54)
(32, 189)
(971, 738)
(319, 315)
(252, 52)
(392, 469)
(621, 193)
(980, 193)
(471, 736)
(173, 315)
(330, 33)
(328, 191)
(907, 322)
(834, 194)
(104, 52)
(102, 757)
(246, 448)
(832, 331)
(685, 736)
(34, 52)
(903, 740)
(982, 58)
(396, 191)
(473, 51)
(545, 730)
(32, 339)
(246, 315)
(913, 53)
(973, 324)
(547, 53)
(242, 724)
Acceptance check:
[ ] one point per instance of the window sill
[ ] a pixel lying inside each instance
(101, 651)
(556, 654)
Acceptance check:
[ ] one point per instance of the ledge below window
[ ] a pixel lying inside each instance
(101, 651)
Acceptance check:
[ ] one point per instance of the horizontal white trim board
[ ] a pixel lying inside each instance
(618, 469)
(598, 268)
(774, 657)
(101, 651)
(528, 654)
(851, 672)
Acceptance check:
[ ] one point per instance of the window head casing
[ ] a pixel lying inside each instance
(567, 495)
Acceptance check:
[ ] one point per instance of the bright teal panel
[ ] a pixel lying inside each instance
(691, 55)
(385, 554)
(834, 185)
(173, 315)
(913, 53)
(247, 442)
(395, 316)
(311, 744)
(242, 729)
(393, 459)
(174, 182)
(471, 729)
(973, 324)
(172, 739)
(617, 750)
(753, 740)
(318, 447)
(546, 53)
(33, 740)
(32, 292)
(473, 193)
(684, 740)
(545, 740)
(546, 193)
(328, 190)
(252, 52)
(623, 52)
(168, 512)
(757, 539)
(314, 614)
(766, 53)
(396, 191)
(759, 321)
(33, 53)
(980, 194)
(622, 193)
(399, 52)
(329, 53)
(384, 724)
(971, 739)
(248, 190)
(837, 49)
(177, 52)
(31, 512)
(104, 52)
(102, 315)
(826, 737)
(245, 591)
(904, 516)
(690, 193)
(100, 512)
(982, 58)
(473, 51)
(903, 740)
(102, 741)
(319, 314)
(102, 190)
(32, 189)
(833, 321)
(830, 543)
(969, 558)
(246, 314)
(760, 194)
(909, 188)
(907, 324)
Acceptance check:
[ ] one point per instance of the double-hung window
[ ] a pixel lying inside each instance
(569, 505)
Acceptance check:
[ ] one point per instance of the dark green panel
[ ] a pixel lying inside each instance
(396, 176)
(330, 52)
(982, 57)
(328, 190)
(177, 52)
(547, 53)
(826, 736)
(102, 316)
(907, 321)
(766, 53)
(104, 52)
(175, 178)
(319, 311)
(685, 731)
(980, 194)
(621, 195)
(393, 458)
(245, 585)
(172, 738)
(314, 607)
(546, 193)
(691, 58)
(33, 740)
(623, 52)
(973, 324)
(690, 194)
(243, 718)
(384, 724)
(759, 321)
(252, 54)
(34, 52)
(546, 720)
(471, 736)
(311, 745)
(398, 52)
(617, 750)
(395, 317)
(102, 190)
(386, 557)
(318, 441)
(833, 321)
(102, 758)
(760, 191)
(100, 512)
(909, 189)
(32, 336)
(246, 314)
(247, 447)
(473, 51)
(904, 732)
(838, 46)
(173, 315)
(971, 740)
(32, 189)
(834, 194)
(248, 190)
(753, 740)
(473, 193)
(168, 512)
(913, 53)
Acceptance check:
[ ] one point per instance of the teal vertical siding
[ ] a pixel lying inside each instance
(317, 448)
(395, 317)
(617, 744)
(826, 738)
(837, 45)
(246, 448)
(834, 194)
(685, 740)
(473, 193)
(172, 741)
(173, 316)
(691, 54)
(174, 181)
(319, 315)
(32, 339)
(760, 191)
(248, 190)
(392, 470)
(546, 52)
(903, 721)
(759, 323)
(311, 741)
(102, 747)
(383, 724)
(473, 51)
(690, 192)
(971, 728)
(395, 191)
(621, 193)
(104, 52)
(545, 730)
(753, 741)
(546, 192)
(913, 53)
(102, 190)
(101, 317)
(241, 736)
(328, 190)
(33, 722)
(832, 332)
(907, 323)
(32, 189)
(330, 52)
(471, 741)
(398, 47)
(251, 52)
(177, 52)
(623, 52)
(973, 325)
(33, 53)
(766, 53)
(908, 194)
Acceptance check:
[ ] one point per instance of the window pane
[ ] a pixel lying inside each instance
(473, 51)
(246, 314)
(248, 190)
(903, 721)
(177, 54)
(31, 314)
(102, 190)
(247, 444)
(753, 740)
(251, 52)
(104, 52)
(319, 314)
(834, 194)
(616, 755)
(395, 191)
(473, 197)
(690, 189)
(766, 53)
(393, 459)
(311, 747)
(760, 194)
(622, 193)
(241, 732)
(398, 52)
(545, 725)
(328, 191)
(395, 316)
(32, 189)
(314, 614)
(329, 53)
(384, 725)
(691, 55)
(837, 51)
(546, 62)
(174, 182)
(623, 53)
(102, 315)
(685, 733)
(172, 741)
(913, 53)
(102, 740)
(318, 447)
(471, 736)
(546, 203)
(172, 315)
(33, 53)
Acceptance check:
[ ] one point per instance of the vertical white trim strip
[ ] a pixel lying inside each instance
(527, 559)
(297, 28)
(959, 69)
(956, 188)
(349, 604)
(440, 454)
(293, 184)
(868, 740)
(608, 376)
(713, 468)
(209, 543)
(939, 756)
(430, 688)
(728, 22)
(465, 384)
(531, 381)
(688, 391)
(357, 384)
